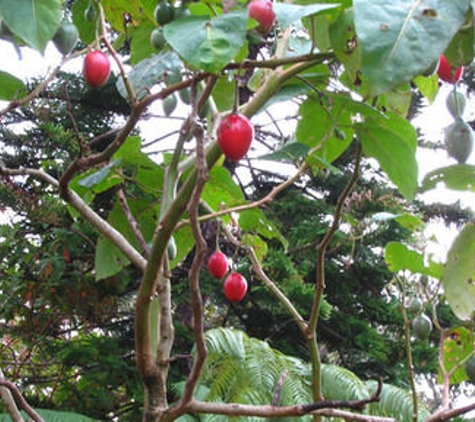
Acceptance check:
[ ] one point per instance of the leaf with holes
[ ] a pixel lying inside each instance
(458, 277)
(400, 39)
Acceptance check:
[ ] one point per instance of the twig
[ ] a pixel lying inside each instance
(88, 214)
(446, 414)
(21, 400)
(132, 222)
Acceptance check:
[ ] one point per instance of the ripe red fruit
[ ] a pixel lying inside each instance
(235, 287)
(96, 68)
(446, 73)
(263, 12)
(235, 134)
(218, 264)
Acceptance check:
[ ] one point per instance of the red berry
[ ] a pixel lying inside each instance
(218, 264)
(446, 73)
(235, 287)
(263, 12)
(96, 68)
(235, 134)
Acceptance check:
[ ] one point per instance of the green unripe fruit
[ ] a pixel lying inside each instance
(459, 140)
(66, 37)
(422, 326)
(470, 369)
(173, 76)
(456, 103)
(415, 306)
(90, 14)
(169, 104)
(164, 13)
(171, 249)
(185, 95)
(157, 39)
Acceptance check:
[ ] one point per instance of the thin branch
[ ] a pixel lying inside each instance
(21, 400)
(447, 414)
(87, 213)
(194, 273)
(9, 402)
(132, 222)
(269, 411)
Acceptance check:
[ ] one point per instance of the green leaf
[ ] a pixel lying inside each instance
(94, 179)
(316, 127)
(108, 260)
(141, 47)
(458, 277)
(214, 43)
(401, 39)
(400, 257)
(148, 72)
(255, 221)
(287, 13)
(289, 153)
(429, 87)
(343, 39)
(393, 143)
(34, 21)
(87, 30)
(115, 10)
(458, 345)
(457, 177)
(221, 190)
(11, 87)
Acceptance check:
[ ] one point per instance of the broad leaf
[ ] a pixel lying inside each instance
(96, 178)
(87, 30)
(11, 87)
(287, 13)
(34, 21)
(255, 221)
(208, 44)
(148, 72)
(401, 39)
(400, 257)
(393, 143)
(458, 345)
(457, 177)
(289, 153)
(141, 47)
(458, 277)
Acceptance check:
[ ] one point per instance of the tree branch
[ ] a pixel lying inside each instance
(447, 414)
(9, 401)
(87, 213)
(21, 400)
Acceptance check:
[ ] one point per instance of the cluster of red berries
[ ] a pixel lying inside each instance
(235, 285)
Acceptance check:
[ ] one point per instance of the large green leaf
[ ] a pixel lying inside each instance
(87, 30)
(400, 257)
(457, 177)
(11, 87)
(148, 72)
(400, 39)
(458, 277)
(393, 143)
(287, 13)
(208, 44)
(34, 21)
